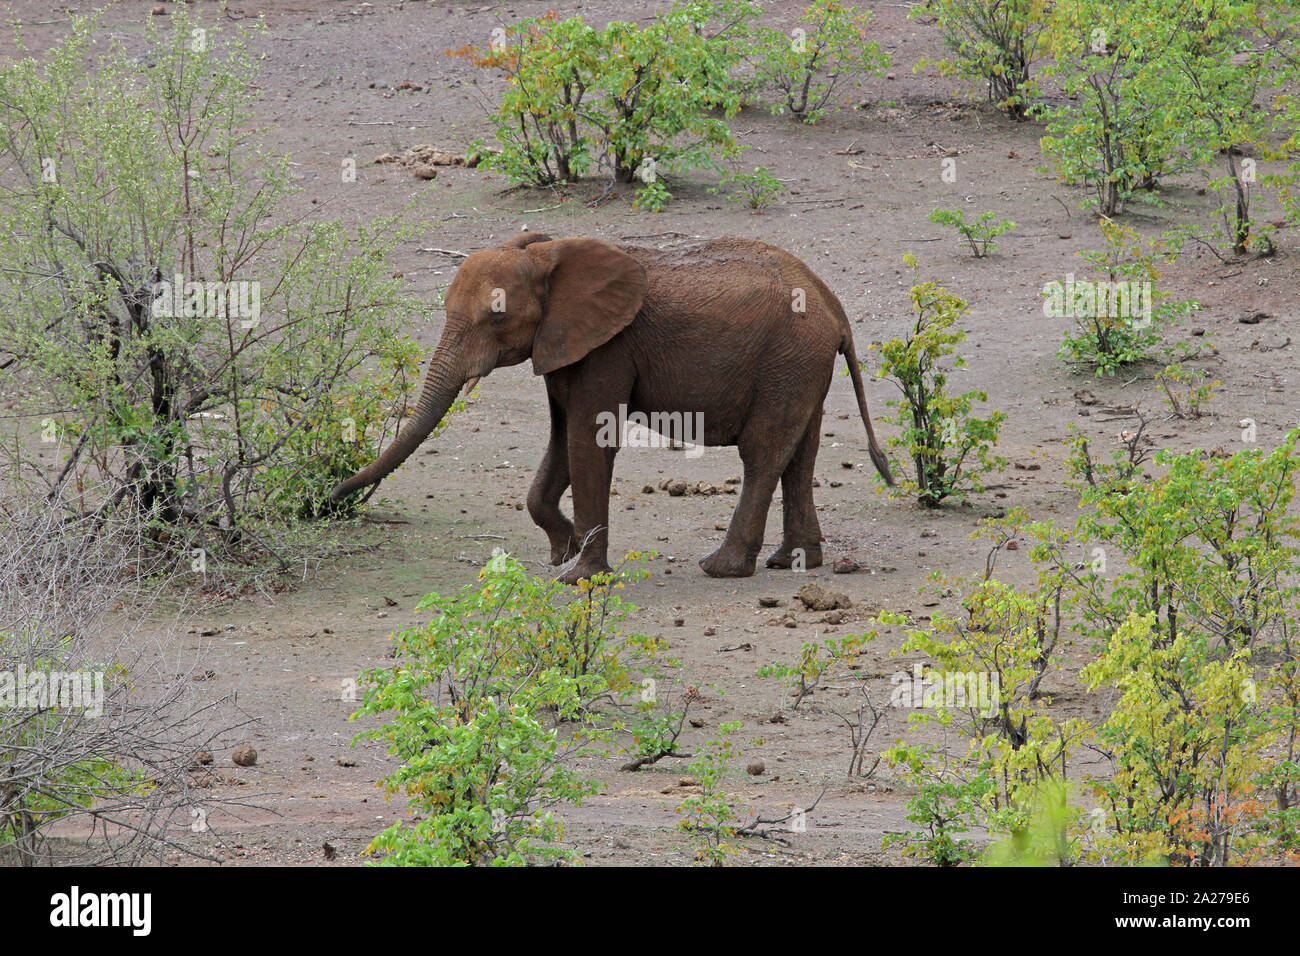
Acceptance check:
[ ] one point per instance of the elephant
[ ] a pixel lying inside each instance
(735, 331)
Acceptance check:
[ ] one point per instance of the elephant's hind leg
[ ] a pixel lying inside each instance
(801, 534)
(765, 458)
(548, 487)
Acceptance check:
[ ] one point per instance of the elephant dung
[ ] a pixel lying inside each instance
(816, 598)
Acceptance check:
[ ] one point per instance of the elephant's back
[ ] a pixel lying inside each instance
(746, 279)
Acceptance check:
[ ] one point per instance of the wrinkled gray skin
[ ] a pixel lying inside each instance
(713, 328)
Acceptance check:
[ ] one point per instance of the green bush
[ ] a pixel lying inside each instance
(1116, 131)
(950, 449)
(979, 233)
(710, 815)
(994, 41)
(644, 101)
(223, 400)
(477, 700)
(827, 47)
(1121, 317)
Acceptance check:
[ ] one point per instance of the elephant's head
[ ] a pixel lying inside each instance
(532, 297)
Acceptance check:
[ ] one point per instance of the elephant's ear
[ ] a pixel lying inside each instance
(593, 292)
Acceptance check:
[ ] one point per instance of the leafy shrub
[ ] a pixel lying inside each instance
(978, 233)
(943, 806)
(1116, 130)
(1186, 741)
(804, 67)
(949, 448)
(757, 190)
(208, 404)
(476, 701)
(710, 815)
(643, 101)
(1187, 390)
(1121, 317)
(995, 41)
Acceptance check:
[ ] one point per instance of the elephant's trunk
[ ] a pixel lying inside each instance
(441, 385)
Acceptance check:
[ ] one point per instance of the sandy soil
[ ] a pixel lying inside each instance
(861, 184)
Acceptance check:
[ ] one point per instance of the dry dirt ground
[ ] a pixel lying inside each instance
(861, 184)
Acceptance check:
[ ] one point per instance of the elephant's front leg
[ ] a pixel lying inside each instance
(590, 470)
(548, 487)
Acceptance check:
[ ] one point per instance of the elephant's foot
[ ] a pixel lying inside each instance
(562, 552)
(725, 563)
(784, 557)
(585, 568)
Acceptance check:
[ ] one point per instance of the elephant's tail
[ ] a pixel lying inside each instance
(877, 456)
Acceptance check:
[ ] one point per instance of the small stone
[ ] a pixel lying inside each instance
(203, 758)
(648, 490)
(756, 767)
(769, 602)
(424, 172)
(679, 622)
(346, 761)
(710, 631)
(688, 782)
(846, 464)
(244, 756)
(677, 488)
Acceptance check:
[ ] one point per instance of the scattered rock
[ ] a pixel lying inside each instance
(769, 602)
(1085, 397)
(677, 488)
(777, 718)
(688, 782)
(710, 631)
(648, 490)
(755, 767)
(679, 622)
(202, 758)
(244, 756)
(1028, 466)
(833, 617)
(1253, 318)
(346, 761)
(845, 566)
